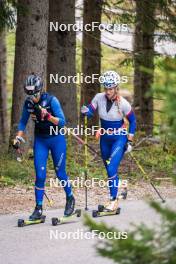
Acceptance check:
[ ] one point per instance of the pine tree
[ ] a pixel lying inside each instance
(30, 53)
(91, 52)
(7, 21)
(145, 26)
(3, 89)
(62, 57)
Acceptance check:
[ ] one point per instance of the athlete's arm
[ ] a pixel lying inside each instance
(23, 121)
(91, 108)
(129, 114)
(21, 127)
(58, 118)
(132, 124)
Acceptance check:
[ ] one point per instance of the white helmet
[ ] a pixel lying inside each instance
(111, 79)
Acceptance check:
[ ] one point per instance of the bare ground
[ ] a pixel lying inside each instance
(21, 199)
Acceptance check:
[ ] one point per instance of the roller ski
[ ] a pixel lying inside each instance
(69, 212)
(111, 208)
(36, 218)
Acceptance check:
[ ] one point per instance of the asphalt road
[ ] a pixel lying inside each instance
(44, 243)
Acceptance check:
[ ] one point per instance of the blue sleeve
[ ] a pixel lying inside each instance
(58, 112)
(132, 122)
(24, 119)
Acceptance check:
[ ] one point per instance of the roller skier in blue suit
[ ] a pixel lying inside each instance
(115, 140)
(46, 111)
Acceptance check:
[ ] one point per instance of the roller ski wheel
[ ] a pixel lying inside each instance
(65, 219)
(55, 221)
(123, 194)
(124, 189)
(118, 210)
(22, 222)
(78, 212)
(43, 217)
(95, 213)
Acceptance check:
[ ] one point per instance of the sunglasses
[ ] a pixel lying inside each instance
(36, 95)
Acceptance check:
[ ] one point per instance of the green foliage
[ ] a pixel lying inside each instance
(76, 163)
(155, 161)
(143, 244)
(169, 217)
(164, 87)
(168, 24)
(13, 172)
(126, 16)
(7, 14)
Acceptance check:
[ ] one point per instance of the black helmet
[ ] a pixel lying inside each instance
(33, 84)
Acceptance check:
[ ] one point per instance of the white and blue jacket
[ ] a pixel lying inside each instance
(114, 117)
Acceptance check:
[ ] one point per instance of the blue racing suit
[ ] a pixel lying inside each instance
(113, 145)
(45, 142)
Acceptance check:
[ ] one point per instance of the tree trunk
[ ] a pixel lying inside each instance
(62, 57)
(137, 47)
(30, 53)
(3, 90)
(91, 52)
(144, 63)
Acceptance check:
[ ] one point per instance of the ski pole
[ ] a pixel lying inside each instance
(49, 201)
(86, 155)
(84, 143)
(137, 162)
(146, 176)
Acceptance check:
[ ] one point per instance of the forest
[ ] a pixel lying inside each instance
(70, 44)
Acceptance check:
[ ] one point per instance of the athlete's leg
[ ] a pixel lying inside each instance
(105, 147)
(58, 152)
(117, 152)
(106, 144)
(40, 161)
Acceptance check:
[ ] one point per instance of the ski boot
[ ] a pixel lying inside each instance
(111, 208)
(35, 218)
(36, 215)
(70, 205)
(69, 212)
(111, 205)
